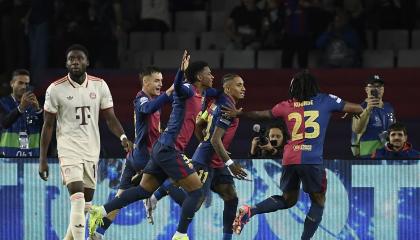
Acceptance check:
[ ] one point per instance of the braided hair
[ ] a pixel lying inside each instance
(303, 86)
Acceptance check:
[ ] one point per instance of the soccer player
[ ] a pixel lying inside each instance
(306, 114)
(211, 160)
(147, 105)
(75, 102)
(166, 159)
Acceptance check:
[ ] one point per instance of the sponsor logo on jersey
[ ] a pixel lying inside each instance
(302, 147)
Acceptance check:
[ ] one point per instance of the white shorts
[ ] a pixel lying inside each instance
(85, 172)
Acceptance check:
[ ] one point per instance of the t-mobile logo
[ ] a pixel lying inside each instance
(84, 110)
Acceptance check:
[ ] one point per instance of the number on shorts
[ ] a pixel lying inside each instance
(203, 175)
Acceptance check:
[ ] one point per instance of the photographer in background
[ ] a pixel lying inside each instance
(20, 119)
(397, 145)
(370, 129)
(270, 144)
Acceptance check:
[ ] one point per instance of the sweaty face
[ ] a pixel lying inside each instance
(205, 77)
(277, 135)
(153, 83)
(236, 88)
(77, 63)
(397, 139)
(19, 85)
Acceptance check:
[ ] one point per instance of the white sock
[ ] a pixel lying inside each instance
(179, 234)
(77, 216)
(69, 235)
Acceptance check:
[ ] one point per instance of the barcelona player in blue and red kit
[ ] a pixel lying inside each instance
(166, 159)
(306, 114)
(211, 160)
(147, 105)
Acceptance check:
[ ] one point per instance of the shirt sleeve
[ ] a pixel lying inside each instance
(51, 100)
(335, 103)
(144, 105)
(278, 110)
(106, 97)
(224, 121)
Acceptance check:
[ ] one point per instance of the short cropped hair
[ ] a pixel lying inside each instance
(20, 72)
(148, 71)
(228, 77)
(397, 127)
(193, 69)
(77, 47)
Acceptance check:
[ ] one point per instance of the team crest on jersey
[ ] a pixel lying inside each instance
(92, 95)
(143, 100)
(67, 172)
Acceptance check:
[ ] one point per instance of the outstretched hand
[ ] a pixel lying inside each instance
(185, 61)
(231, 111)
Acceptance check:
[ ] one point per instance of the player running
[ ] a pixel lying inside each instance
(147, 105)
(166, 159)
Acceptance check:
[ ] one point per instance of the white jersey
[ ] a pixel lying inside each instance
(77, 109)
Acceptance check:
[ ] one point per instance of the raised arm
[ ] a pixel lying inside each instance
(143, 105)
(359, 123)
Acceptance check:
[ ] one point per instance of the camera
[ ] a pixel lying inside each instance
(261, 131)
(374, 93)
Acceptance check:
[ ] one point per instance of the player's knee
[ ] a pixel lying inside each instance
(318, 198)
(290, 200)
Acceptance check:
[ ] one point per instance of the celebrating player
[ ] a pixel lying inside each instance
(166, 159)
(306, 114)
(147, 105)
(75, 101)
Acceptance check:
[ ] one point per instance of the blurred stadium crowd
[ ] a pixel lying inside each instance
(132, 33)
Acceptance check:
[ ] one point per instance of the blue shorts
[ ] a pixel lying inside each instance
(313, 178)
(211, 177)
(166, 162)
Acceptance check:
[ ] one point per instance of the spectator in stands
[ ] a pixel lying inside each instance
(244, 26)
(20, 119)
(275, 141)
(37, 25)
(397, 145)
(296, 33)
(340, 44)
(107, 32)
(273, 24)
(154, 16)
(369, 130)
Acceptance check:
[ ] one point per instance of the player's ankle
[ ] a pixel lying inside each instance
(179, 234)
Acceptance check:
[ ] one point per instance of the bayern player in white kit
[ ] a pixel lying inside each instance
(75, 102)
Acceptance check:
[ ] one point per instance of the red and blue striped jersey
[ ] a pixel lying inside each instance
(307, 123)
(205, 153)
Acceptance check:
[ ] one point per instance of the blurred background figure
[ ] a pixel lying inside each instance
(397, 145)
(20, 119)
(340, 44)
